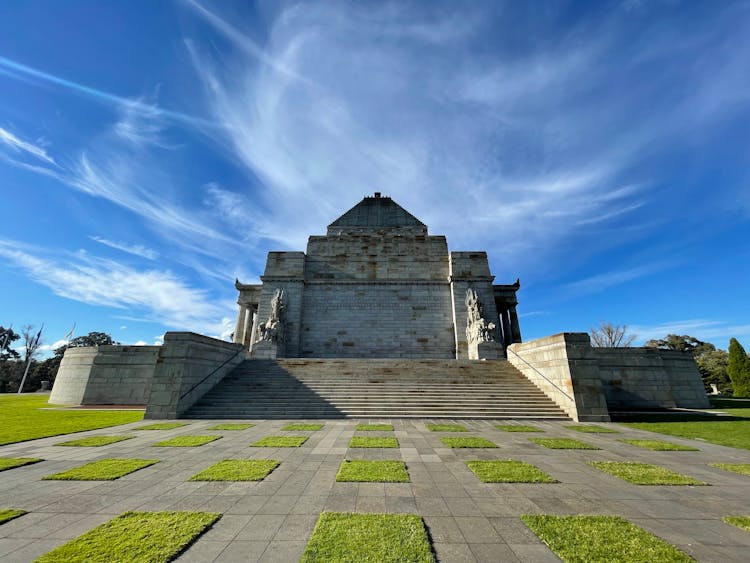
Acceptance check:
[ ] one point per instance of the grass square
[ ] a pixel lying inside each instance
(95, 441)
(591, 429)
(8, 514)
(373, 442)
(242, 426)
(659, 446)
(643, 473)
(467, 442)
(446, 428)
(385, 538)
(741, 468)
(237, 470)
(374, 427)
(508, 471)
(102, 470)
(162, 426)
(186, 441)
(742, 522)
(303, 427)
(517, 428)
(135, 537)
(579, 539)
(563, 444)
(13, 462)
(280, 442)
(361, 471)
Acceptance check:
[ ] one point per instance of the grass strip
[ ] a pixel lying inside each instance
(29, 417)
(517, 428)
(446, 428)
(8, 514)
(237, 470)
(381, 538)
(732, 433)
(373, 442)
(13, 462)
(659, 446)
(231, 426)
(742, 522)
(303, 427)
(591, 429)
(162, 426)
(102, 470)
(741, 468)
(280, 442)
(186, 441)
(467, 442)
(95, 441)
(563, 444)
(381, 471)
(643, 473)
(508, 471)
(582, 539)
(374, 427)
(135, 537)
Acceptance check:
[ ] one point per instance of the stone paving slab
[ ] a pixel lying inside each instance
(272, 520)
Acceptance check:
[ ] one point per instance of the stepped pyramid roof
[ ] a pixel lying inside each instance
(377, 213)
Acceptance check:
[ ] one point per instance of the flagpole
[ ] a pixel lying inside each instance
(31, 351)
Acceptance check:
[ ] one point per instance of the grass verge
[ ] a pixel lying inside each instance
(446, 428)
(231, 426)
(303, 427)
(95, 441)
(741, 468)
(508, 471)
(361, 471)
(517, 428)
(385, 538)
(237, 470)
(467, 442)
(373, 442)
(643, 473)
(659, 446)
(186, 441)
(742, 522)
(280, 442)
(591, 429)
(563, 444)
(28, 417)
(102, 470)
(8, 514)
(135, 537)
(13, 462)
(374, 427)
(162, 426)
(579, 539)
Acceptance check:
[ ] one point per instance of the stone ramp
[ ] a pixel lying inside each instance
(375, 388)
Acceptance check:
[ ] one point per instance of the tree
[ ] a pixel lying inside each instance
(609, 335)
(91, 339)
(713, 367)
(738, 369)
(31, 344)
(683, 343)
(7, 337)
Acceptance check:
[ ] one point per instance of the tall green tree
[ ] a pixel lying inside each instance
(7, 337)
(682, 342)
(738, 369)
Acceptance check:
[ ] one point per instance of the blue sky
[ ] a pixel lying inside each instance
(151, 152)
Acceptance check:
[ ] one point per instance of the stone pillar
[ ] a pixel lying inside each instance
(515, 326)
(239, 332)
(252, 327)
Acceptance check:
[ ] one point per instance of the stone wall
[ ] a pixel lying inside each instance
(103, 375)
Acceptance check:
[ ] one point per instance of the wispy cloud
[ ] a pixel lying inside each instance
(136, 249)
(606, 280)
(19, 145)
(711, 330)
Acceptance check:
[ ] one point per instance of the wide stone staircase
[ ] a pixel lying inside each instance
(375, 388)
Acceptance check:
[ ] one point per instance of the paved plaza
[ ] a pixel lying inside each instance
(468, 520)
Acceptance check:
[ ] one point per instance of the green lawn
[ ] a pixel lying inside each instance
(741, 468)
(563, 444)
(162, 426)
(95, 441)
(231, 426)
(611, 539)
(186, 441)
(13, 462)
(517, 428)
(280, 442)
(467, 442)
(373, 442)
(508, 471)
(302, 427)
(644, 473)
(381, 471)
(368, 538)
(591, 429)
(374, 427)
(102, 470)
(22, 418)
(659, 446)
(237, 470)
(742, 522)
(8, 514)
(136, 537)
(446, 428)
